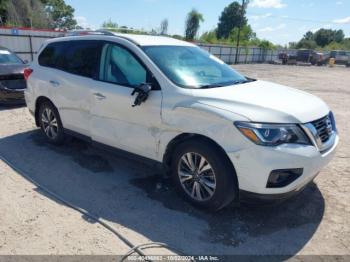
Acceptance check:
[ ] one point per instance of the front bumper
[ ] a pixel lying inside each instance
(11, 96)
(254, 164)
(246, 196)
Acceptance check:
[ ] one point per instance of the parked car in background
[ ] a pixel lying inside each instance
(341, 57)
(12, 82)
(303, 56)
(222, 136)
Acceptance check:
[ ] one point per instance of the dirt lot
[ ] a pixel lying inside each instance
(135, 200)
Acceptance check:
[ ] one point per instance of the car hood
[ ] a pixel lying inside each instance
(262, 101)
(8, 69)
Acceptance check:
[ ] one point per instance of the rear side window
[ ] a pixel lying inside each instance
(53, 55)
(75, 57)
(82, 58)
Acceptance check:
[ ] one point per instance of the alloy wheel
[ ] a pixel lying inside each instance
(197, 177)
(49, 123)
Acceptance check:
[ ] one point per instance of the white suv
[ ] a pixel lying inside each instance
(220, 134)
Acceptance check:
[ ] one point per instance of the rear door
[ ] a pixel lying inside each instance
(113, 119)
(69, 75)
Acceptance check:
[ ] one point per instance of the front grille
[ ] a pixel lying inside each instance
(324, 128)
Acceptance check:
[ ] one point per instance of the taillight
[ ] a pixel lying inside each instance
(27, 73)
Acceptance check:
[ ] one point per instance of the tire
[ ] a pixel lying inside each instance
(50, 123)
(220, 179)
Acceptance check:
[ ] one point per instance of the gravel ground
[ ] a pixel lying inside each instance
(133, 198)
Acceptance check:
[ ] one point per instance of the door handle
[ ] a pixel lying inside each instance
(54, 83)
(99, 96)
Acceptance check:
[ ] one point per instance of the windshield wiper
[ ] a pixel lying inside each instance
(237, 82)
(211, 86)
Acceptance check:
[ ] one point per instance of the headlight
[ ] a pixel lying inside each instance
(273, 134)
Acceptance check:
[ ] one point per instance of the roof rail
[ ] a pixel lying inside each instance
(98, 32)
(105, 32)
(89, 32)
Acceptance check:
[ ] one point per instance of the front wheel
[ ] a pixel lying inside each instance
(203, 175)
(50, 123)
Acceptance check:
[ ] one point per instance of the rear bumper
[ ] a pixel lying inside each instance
(8, 96)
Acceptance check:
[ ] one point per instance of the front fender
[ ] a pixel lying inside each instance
(201, 119)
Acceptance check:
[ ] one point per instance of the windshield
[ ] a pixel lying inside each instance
(193, 67)
(6, 57)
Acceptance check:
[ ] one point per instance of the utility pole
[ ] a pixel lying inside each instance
(239, 30)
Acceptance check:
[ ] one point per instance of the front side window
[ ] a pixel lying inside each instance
(192, 67)
(120, 66)
(6, 57)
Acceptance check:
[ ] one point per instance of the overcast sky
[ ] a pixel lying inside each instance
(280, 21)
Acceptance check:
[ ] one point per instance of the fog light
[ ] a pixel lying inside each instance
(283, 177)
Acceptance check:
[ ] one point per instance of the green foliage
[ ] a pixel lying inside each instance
(62, 15)
(109, 24)
(180, 37)
(343, 45)
(307, 44)
(309, 35)
(209, 37)
(264, 44)
(3, 9)
(323, 39)
(246, 34)
(231, 18)
(37, 13)
(247, 38)
(26, 13)
(125, 30)
(193, 21)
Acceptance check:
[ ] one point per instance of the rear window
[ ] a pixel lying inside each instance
(75, 57)
(6, 57)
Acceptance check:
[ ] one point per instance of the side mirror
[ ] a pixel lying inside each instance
(141, 92)
(25, 61)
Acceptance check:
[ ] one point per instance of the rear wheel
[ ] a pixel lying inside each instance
(50, 123)
(203, 175)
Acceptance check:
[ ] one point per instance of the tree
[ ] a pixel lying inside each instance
(193, 21)
(109, 24)
(306, 43)
(26, 13)
(309, 35)
(164, 27)
(339, 36)
(324, 37)
(246, 34)
(209, 37)
(231, 17)
(62, 15)
(3, 9)
(264, 44)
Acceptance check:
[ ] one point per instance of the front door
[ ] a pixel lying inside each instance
(113, 119)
